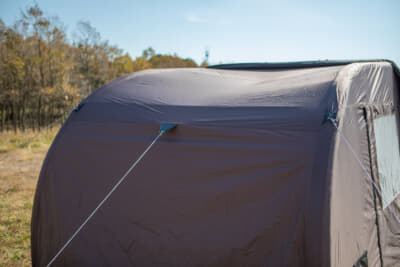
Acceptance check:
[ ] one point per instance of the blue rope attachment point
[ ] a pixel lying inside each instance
(165, 127)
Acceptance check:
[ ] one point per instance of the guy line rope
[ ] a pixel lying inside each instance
(162, 131)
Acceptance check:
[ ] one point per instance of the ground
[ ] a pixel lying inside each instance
(19, 170)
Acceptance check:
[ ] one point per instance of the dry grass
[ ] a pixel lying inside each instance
(19, 170)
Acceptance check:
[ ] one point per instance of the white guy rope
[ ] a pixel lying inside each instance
(364, 168)
(105, 199)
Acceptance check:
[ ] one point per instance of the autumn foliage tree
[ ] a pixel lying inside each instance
(43, 74)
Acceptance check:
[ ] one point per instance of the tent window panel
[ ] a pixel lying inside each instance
(388, 157)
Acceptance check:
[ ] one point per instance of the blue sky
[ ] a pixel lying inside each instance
(236, 31)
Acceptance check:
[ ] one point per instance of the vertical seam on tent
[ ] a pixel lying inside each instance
(378, 229)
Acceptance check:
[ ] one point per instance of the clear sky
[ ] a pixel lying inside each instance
(236, 31)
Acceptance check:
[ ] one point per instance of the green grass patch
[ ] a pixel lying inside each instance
(19, 170)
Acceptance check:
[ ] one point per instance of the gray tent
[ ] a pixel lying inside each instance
(293, 164)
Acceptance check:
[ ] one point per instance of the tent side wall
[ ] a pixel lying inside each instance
(364, 90)
(206, 194)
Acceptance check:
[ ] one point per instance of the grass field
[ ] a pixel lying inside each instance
(19, 170)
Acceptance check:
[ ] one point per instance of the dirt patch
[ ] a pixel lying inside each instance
(19, 171)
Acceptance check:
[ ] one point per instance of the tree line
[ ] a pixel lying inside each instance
(43, 73)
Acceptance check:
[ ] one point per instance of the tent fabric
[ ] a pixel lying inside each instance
(252, 175)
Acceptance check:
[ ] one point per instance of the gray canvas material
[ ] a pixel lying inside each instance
(250, 176)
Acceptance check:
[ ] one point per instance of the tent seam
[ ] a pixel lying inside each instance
(378, 228)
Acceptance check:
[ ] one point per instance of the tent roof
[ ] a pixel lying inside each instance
(196, 94)
(216, 87)
(237, 91)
